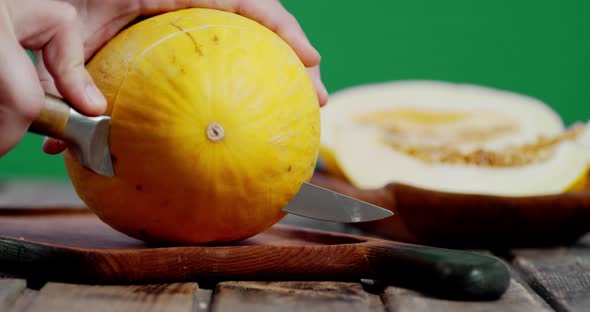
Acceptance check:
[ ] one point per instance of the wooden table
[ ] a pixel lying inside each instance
(542, 280)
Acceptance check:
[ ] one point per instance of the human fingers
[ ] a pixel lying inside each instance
(273, 15)
(50, 145)
(52, 27)
(53, 146)
(60, 56)
(316, 79)
(22, 96)
(270, 13)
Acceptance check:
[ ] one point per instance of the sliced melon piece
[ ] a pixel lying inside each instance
(452, 137)
(435, 114)
(550, 167)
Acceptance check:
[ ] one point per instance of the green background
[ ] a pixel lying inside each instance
(539, 48)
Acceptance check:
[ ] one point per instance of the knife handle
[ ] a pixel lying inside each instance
(439, 271)
(53, 118)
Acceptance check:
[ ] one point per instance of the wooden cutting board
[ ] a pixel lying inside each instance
(75, 246)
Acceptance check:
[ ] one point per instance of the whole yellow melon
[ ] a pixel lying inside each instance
(215, 126)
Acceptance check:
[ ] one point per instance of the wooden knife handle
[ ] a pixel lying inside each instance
(53, 118)
(443, 272)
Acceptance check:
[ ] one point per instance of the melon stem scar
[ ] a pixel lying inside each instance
(215, 132)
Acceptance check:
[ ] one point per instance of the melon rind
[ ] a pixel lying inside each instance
(368, 163)
(355, 152)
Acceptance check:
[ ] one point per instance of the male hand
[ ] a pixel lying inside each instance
(51, 27)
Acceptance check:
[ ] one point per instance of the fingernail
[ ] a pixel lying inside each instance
(53, 146)
(95, 97)
(322, 91)
(317, 54)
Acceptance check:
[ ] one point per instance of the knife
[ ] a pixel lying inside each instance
(89, 137)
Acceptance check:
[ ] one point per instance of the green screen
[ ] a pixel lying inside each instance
(539, 48)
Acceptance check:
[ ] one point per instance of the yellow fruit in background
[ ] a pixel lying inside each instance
(452, 137)
(215, 125)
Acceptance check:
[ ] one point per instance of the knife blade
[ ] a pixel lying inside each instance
(89, 136)
(316, 202)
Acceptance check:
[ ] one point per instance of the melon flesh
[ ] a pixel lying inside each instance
(451, 137)
(369, 163)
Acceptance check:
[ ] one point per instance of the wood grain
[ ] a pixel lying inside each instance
(291, 296)
(584, 241)
(516, 299)
(202, 300)
(177, 297)
(518, 278)
(561, 276)
(80, 248)
(23, 301)
(471, 221)
(10, 290)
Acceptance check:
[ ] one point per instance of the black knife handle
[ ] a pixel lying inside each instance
(438, 271)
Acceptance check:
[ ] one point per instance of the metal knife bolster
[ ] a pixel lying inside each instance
(87, 135)
(91, 137)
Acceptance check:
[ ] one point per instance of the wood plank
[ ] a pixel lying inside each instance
(10, 290)
(293, 296)
(518, 277)
(150, 297)
(561, 276)
(585, 241)
(23, 301)
(202, 300)
(517, 298)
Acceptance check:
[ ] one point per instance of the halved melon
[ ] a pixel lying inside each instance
(451, 137)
